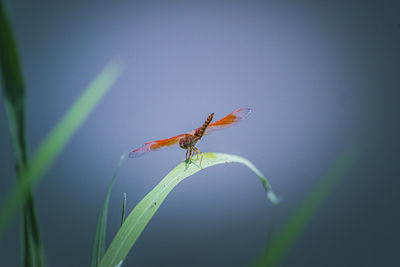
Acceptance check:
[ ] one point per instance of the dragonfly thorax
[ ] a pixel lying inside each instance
(189, 140)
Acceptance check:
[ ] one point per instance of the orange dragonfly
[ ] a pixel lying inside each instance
(189, 140)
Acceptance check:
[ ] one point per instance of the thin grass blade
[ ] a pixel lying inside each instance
(123, 209)
(100, 237)
(146, 208)
(14, 97)
(287, 236)
(56, 140)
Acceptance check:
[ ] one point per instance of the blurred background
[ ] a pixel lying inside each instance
(318, 75)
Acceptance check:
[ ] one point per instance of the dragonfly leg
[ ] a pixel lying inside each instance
(198, 152)
(188, 159)
(190, 154)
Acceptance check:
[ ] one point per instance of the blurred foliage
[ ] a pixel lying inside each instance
(14, 97)
(56, 140)
(276, 251)
(30, 171)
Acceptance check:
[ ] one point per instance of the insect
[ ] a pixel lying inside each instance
(189, 140)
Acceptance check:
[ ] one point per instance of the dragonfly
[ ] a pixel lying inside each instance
(189, 140)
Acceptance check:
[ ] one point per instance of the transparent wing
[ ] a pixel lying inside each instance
(228, 121)
(155, 145)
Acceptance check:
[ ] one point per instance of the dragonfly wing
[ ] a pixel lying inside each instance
(230, 120)
(155, 145)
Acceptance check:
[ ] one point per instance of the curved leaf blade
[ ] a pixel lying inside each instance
(146, 208)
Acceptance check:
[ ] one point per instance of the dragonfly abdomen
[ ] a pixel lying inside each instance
(200, 131)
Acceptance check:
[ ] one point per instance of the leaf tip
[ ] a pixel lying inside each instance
(273, 197)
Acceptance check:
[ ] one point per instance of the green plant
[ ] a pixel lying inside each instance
(30, 170)
(146, 208)
(281, 243)
(14, 97)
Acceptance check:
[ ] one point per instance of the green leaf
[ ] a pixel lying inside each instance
(145, 209)
(13, 87)
(287, 236)
(32, 254)
(100, 238)
(123, 209)
(56, 140)
(14, 97)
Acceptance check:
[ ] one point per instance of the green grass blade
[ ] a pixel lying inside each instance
(14, 96)
(56, 140)
(32, 254)
(100, 237)
(123, 209)
(286, 237)
(145, 209)
(13, 87)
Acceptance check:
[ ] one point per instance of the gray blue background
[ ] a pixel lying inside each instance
(317, 75)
